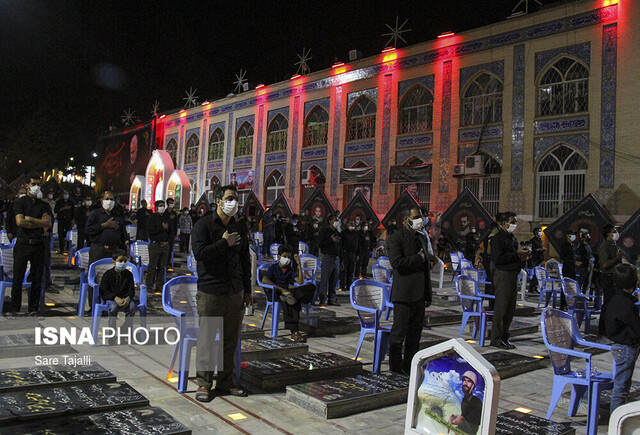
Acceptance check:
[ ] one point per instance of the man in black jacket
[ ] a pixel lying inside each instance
(106, 229)
(142, 216)
(508, 260)
(568, 254)
(158, 226)
(221, 248)
(64, 213)
(410, 291)
(350, 247)
(172, 218)
(330, 262)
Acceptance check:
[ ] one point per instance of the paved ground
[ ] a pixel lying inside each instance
(145, 368)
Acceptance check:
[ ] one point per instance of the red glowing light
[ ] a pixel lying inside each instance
(337, 64)
(445, 35)
(162, 116)
(260, 86)
(388, 49)
(609, 2)
(389, 55)
(295, 76)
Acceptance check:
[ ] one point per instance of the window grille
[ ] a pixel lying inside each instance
(216, 145)
(274, 186)
(560, 182)
(564, 88)
(191, 151)
(277, 134)
(362, 120)
(482, 101)
(416, 111)
(487, 188)
(172, 149)
(244, 140)
(317, 127)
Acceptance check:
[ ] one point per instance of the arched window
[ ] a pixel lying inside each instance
(362, 119)
(274, 186)
(561, 181)
(416, 110)
(315, 178)
(564, 88)
(352, 189)
(216, 145)
(422, 191)
(172, 149)
(316, 127)
(244, 140)
(277, 134)
(487, 188)
(191, 151)
(194, 191)
(214, 185)
(482, 101)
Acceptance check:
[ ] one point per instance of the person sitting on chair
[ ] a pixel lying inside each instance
(281, 275)
(117, 289)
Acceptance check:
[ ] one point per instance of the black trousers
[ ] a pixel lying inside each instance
(184, 242)
(23, 252)
(408, 320)
(505, 285)
(158, 256)
(348, 268)
(291, 313)
(363, 263)
(62, 235)
(608, 287)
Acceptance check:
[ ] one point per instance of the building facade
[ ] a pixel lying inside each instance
(531, 114)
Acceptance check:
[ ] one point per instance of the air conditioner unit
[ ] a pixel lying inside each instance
(474, 165)
(307, 177)
(354, 55)
(458, 170)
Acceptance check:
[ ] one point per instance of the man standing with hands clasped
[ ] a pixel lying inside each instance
(410, 291)
(221, 248)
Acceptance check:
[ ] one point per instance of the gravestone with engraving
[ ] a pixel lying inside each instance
(249, 331)
(510, 364)
(77, 399)
(351, 395)
(275, 374)
(325, 325)
(520, 423)
(269, 348)
(29, 377)
(438, 316)
(19, 345)
(518, 328)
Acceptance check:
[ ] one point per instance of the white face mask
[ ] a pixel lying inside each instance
(512, 227)
(230, 208)
(170, 205)
(88, 203)
(120, 266)
(108, 204)
(21, 195)
(539, 234)
(365, 228)
(160, 209)
(35, 190)
(572, 237)
(50, 196)
(284, 262)
(416, 224)
(351, 228)
(616, 236)
(65, 196)
(336, 224)
(39, 195)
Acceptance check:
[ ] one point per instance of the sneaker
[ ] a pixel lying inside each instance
(322, 301)
(298, 338)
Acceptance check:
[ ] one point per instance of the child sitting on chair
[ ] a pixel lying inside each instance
(117, 289)
(281, 275)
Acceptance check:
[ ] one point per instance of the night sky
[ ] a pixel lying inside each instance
(91, 60)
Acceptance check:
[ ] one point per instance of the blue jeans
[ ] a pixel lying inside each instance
(114, 309)
(624, 357)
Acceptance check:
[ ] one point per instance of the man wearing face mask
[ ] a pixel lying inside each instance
(221, 248)
(64, 213)
(350, 247)
(172, 218)
(33, 218)
(142, 216)
(365, 247)
(410, 291)
(508, 260)
(537, 256)
(568, 254)
(80, 216)
(106, 229)
(609, 256)
(292, 232)
(314, 238)
(158, 226)
(330, 246)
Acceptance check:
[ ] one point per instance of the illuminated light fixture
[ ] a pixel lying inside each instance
(94, 155)
(174, 379)
(538, 357)
(258, 87)
(162, 116)
(337, 64)
(183, 302)
(470, 341)
(609, 2)
(357, 359)
(158, 294)
(182, 110)
(50, 304)
(188, 274)
(237, 416)
(386, 50)
(523, 410)
(253, 325)
(204, 103)
(295, 76)
(445, 35)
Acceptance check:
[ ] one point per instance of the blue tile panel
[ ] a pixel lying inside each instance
(284, 111)
(426, 81)
(369, 160)
(256, 181)
(360, 147)
(473, 134)
(608, 104)
(517, 126)
(230, 147)
(561, 125)
(323, 102)
(494, 149)
(542, 144)
(445, 126)
(414, 141)
(294, 147)
(579, 51)
(322, 164)
(337, 117)
(268, 169)
(214, 165)
(314, 153)
(353, 96)
(496, 68)
(386, 132)
(426, 154)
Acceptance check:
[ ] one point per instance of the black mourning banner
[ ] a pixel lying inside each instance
(587, 215)
(358, 210)
(410, 174)
(465, 213)
(202, 206)
(357, 175)
(122, 155)
(629, 243)
(252, 208)
(317, 206)
(51, 186)
(281, 207)
(405, 201)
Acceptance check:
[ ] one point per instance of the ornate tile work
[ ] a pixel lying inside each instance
(242, 161)
(204, 154)
(213, 127)
(473, 134)
(313, 153)
(337, 117)
(445, 126)
(210, 175)
(580, 51)
(427, 81)
(516, 202)
(294, 147)
(168, 137)
(426, 154)
(608, 104)
(414, 141)
(180, 152)
(191, 169)
(464, 150)
(214, 165)
(496, 68)
(517, 126)
(369, 160)
(322, 164)
(578, 141)
(256, 182)
(386, 132)
(268, 169)
(275, 157)
(561, 125)
(494, 149)
(360, 147)
(230, 145)
(309, 105)
(284, 111)
(353, 96)
(249, 118)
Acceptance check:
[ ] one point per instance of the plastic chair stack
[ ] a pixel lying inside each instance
(438, 272)
(132, 230)
(6, 277)
(577, 303)
(139, 251)
(381, 275)
(72, 238)
(368, 299)
(472, 300)
(455, 264)
(475, 274)
(273, 250)
(560, 334)
(4, 238)
(310, 265)
(192, 265)
(548, 286)
(82, 262)
(303, 248)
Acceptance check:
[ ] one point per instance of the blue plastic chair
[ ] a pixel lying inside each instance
(478, 275)
(139, 251)
(381, 276)
(386, 263)
(303, 248)
(548, 286)
(94, 275)
(577, 303)
(310, 265)
(455, 264)
(72, 238)
(273, 249)
(4, 238)
(367, 297)
(560, 333)
(54, 234)
(132, 231)
(81, 260)
(6, 277)
(192, 265)
(272, 304)
(472, 300)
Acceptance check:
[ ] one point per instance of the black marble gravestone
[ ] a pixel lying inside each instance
(77, 399)
(150, 421)
(29, 377)
(350, 395)
(519, 423)
(605, 399)
(269, 348)
(328, 325)
(275, 374)
(439, 316)
(510, 364)
(20, 345)
(428, 340)
(249, 331)
(518, 328)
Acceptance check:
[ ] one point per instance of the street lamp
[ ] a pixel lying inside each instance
(94, 154)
